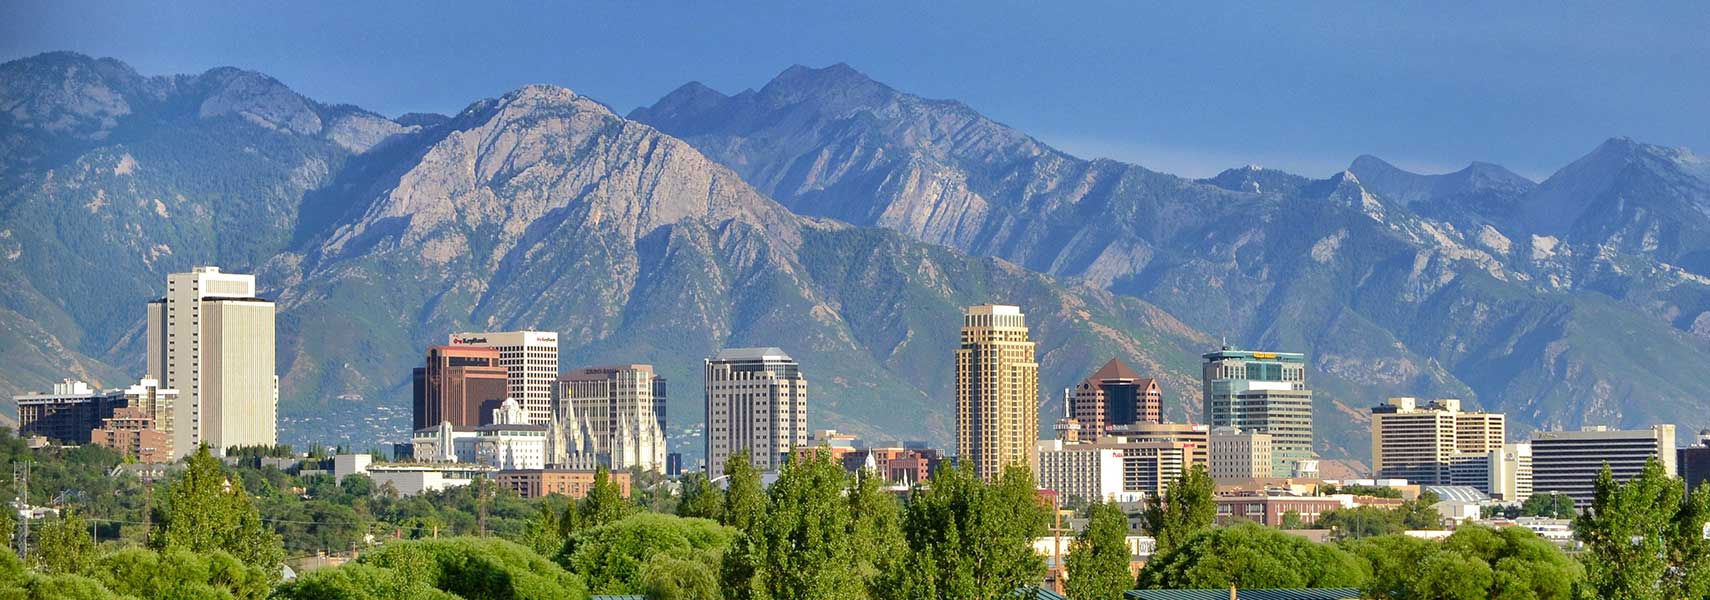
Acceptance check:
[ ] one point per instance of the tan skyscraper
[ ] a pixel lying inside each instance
(1419, 442)
(997, 391)
(212, 340)
(756, 401)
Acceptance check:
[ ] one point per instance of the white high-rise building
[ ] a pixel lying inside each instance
(614, 416)
(211, 338)
(530, 359)
(756, 401)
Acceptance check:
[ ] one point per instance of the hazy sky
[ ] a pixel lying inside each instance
(1176, 87)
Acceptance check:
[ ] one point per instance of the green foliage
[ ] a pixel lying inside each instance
(803, 539)
(205, 511)
(1098, 559)
(875, 532)
(1360, 522)
(178, 573)
(744, 497)
(1186, 509)
(1292, 520)
(1249, 555)
(473, 568)
(1374, 491)
(63, 544)
(666, 577)
(605, 502)
(1645, 538)
(701, 498)
(968, 539)
(616, 558)
(1551, 504)
(1474, 562)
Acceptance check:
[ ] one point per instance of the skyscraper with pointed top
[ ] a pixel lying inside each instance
(997, 391)
(1114, 396)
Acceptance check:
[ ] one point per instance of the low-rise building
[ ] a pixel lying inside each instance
(68, 414)
(1269, 510)
(1239, 455)
(131, 432)
(572, 483)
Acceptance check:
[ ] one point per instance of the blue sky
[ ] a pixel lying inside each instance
(1176, 87)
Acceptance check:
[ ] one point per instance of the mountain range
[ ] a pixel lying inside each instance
(842, 220)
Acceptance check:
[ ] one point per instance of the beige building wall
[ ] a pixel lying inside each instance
(211, 339)
(1237, 454)
(756, 400)
(997, 391)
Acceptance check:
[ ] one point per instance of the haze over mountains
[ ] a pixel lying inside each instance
(842, 220)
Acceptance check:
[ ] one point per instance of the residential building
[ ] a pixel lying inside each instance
(1090, 472)
(131, 432)
(212, 339)
(1263, 392)
(997, 391)
(461, 385)
(67, 415)
(613, 416)
(1416, 442)
(571, 483)
(1114, 395)
(1694, 462)
(1569, 462)
(756, 401)
(1237, 454)
(530, 359)
(158, 404)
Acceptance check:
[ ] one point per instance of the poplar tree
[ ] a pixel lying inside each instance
(803, 540)
(1644, 539)
(63, 545)
(604, 503)
(1187, 508)
(745, 495)
(205, 511)
(971, 540)
(1098, 558)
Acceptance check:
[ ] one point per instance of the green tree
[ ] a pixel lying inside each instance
(1292, 520)
(179, 573)
(1421, 513)
(63, 545)
(745, 496)
(1098, 559)
(701, 499)
(804, 542)
(968, 539)
(1550, 504)
(1644, 538)
(463, 567)
(667, 577)
(1360, 522)
(205, 511)
(875, 531)
(615, 558)
(1249, 555)
(1187, 508)
(1474, 562)
(605, 502)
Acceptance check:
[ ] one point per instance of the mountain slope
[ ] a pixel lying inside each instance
(1395, 283)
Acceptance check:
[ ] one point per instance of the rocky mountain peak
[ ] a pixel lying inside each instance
(70, 93)
(837, 89)
(1254, 179)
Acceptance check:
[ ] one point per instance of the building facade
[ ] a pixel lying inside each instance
(1194, 437)
(1113, 396)
(1504, 474)
(67, 415)
(997, 391)
(1263, 392)
(613, 416)
(530, 359)
(212, 339)
(571, 483)
(1694, 463)
(1569, 462)
(756, 401)
(461, 385)
(1237, 454)
(1419, 441)
(1089, 472)
(131, 432)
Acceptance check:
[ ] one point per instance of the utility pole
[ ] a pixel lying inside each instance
(21, 475)
(481, 503)
(148, 504)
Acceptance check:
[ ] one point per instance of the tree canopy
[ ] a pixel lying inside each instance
(205, 510)
(1249, 555)
(1098, 559)
(1644, 538)
(1187, 508)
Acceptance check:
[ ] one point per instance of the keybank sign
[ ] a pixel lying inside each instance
(469, 340)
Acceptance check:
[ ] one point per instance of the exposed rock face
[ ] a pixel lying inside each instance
(537, 209)
(1395, 282)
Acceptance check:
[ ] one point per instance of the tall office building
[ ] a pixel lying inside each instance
(1194, 437)
(1113, 396)
(461, 385)
(1569, 462)
(1237, 454)
(1504, 474)
(1417, 442)
(756, 400)
(530, 359)
(1263, 392)
(211, 338)
(997, 391)
(613, 416)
